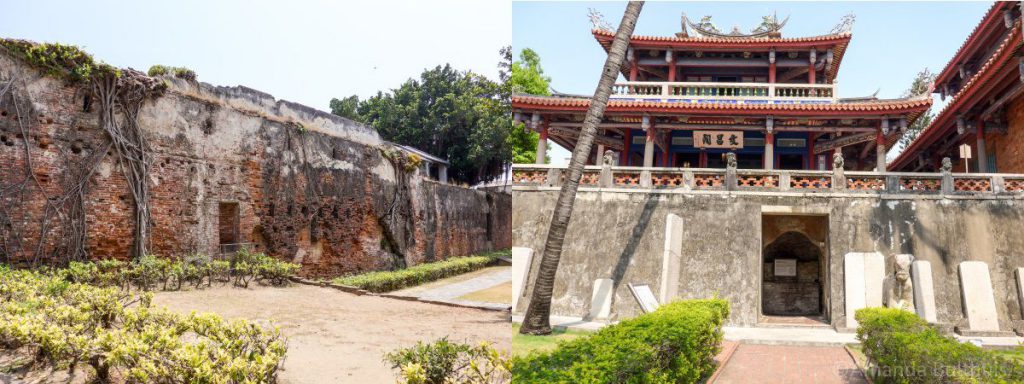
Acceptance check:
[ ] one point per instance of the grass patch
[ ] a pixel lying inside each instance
(522, 345)
(386, 281)
(501, 293)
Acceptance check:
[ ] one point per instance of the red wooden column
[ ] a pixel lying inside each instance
(982, 157)
(627, 140)
(811, 158)
(633, 69)
(671, 59)
(880, 149)
(810, 68)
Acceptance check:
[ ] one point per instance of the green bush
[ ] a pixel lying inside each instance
(179, 72)
(385, 281)
(675, 344)
(443, 362)
(109, 332)
(153, 272)
(903, 348)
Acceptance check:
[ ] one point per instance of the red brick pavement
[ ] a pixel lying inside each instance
(752, 363)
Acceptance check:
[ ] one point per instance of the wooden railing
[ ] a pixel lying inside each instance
(757, 180)
(737, 92)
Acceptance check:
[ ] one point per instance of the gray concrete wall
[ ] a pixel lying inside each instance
(620, 235)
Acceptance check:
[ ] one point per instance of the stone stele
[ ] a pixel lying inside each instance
(601, 300)
(670, 258)
(1020, 289)
(874, 276)
(853, 268)
(521, 260)
(978, 300)
(924, 290)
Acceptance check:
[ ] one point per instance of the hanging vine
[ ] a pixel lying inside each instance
(120, 93)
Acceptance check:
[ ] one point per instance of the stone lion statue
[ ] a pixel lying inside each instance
(899, 288)
(837, 160)
(947, 164)
(730, 160)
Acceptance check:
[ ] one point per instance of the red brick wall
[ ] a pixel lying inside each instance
(307, 197)
(1009, 148)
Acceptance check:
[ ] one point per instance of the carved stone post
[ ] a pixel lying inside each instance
(730, 171)
(645, 175)
(947, 176)
(607, 180)
(838, 172)
(554, 178)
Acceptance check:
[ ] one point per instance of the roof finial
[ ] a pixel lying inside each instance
(597, 20)
(845, 24)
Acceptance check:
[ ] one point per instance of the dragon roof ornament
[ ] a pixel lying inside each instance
(597, 20)
(770, 27)
(845, 24)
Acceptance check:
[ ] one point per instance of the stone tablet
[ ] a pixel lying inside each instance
(601, 300)
(522, 258)
(874, 276)
(644, 297)
(785, 267)
(1020, 290)
(978, 300)
(924, 290)
(670, 258)
(853, 268)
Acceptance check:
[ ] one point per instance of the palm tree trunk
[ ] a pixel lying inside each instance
(537, 321)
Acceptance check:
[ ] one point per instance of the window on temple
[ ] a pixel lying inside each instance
(791, 162)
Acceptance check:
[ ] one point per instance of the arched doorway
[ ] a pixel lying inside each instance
(794, 274)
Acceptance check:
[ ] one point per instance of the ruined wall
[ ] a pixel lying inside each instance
(620, 235)
(310, 187)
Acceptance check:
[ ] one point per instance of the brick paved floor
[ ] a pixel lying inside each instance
(753, 363)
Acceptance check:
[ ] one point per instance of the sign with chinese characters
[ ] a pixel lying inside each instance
(718, 139)
(785, 267)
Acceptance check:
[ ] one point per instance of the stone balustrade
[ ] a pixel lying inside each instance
(757, 180)
(752, 93)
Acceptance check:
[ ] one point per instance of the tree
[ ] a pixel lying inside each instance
(920, 86)
(460, 116)
(537, 320)
(347, 107)
(527, 77)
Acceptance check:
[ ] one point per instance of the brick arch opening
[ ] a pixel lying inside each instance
(794, 274)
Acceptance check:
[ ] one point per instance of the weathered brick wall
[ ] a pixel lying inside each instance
(1009, 148)
(321, 195)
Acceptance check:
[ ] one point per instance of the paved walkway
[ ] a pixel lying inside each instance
(754, 363)
(451, 292)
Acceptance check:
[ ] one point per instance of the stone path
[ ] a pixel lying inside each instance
(755, 363)
(451, 292)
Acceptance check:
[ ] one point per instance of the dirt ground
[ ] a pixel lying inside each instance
(337, 337)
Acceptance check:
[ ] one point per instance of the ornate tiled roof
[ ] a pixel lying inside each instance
(993, 17)
(838, 43)
(946, 118)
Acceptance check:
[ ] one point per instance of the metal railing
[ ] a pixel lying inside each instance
(760, 93)
(717, 179)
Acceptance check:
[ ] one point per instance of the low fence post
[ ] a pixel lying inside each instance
(998, 184)
(554, 178)
(784, 181)
(838, 172)
(947, 176)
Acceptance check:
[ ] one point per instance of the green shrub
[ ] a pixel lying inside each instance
(443, 362)
(179, 72)
(75, 325)
(675, 344)
(385, 281)
(903, 348)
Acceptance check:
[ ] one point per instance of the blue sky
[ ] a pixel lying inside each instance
(302, 51)
(892, 41)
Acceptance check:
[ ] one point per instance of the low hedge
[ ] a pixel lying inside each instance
(675, 344)
(903, 348)
(386, 281)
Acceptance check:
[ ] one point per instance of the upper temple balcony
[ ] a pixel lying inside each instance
(738, 93)
(702, 64)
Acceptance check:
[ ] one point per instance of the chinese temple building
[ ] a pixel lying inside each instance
(690, 98)
(986, 112)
